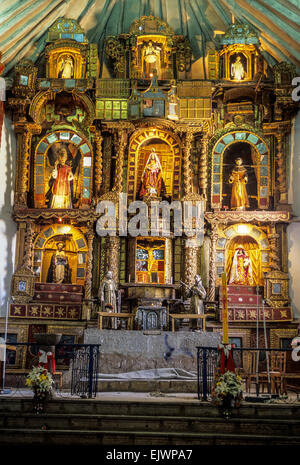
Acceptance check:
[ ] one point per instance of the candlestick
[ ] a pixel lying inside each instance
(225, 309)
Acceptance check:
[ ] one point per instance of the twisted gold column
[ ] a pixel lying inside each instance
(212, 264)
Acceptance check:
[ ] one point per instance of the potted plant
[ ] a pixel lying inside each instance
(228, 392)
(40, 381)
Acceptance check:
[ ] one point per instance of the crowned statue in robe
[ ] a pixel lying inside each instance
(59, 270)
(237, 69)
(60, 192)
(151, 59)
(152, 182)
(241, 268)
(238, 179)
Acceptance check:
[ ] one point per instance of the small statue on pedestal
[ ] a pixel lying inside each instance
(197, 293)
(107, 295)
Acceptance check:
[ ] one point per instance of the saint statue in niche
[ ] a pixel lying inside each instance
(60, 192)
(151, 59)
(66, 67)
(238, 179)
(59, 271)
(152, 182)
(241, 268)
(237, 69)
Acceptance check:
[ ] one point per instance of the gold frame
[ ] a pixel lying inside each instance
(136, 141)
(54, 58)
(25, 276)
(77, 234)
(22, 336)
(277, 334)
(247, 51)
(259, 158)
(275, 299)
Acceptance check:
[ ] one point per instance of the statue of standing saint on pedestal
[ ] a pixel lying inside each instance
(197, 293)
(66, 68)
(107, 295)
(238, 179)
(151, 59)
(237, 69)
(59, 271)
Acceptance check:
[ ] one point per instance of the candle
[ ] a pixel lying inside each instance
(225, 309)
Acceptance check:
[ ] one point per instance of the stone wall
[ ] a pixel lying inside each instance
(125, 351)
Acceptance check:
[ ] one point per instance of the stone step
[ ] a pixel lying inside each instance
(113, 437)
(160, 406)
(87, 422)
(148, 385)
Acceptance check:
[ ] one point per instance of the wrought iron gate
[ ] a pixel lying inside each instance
(85, 364)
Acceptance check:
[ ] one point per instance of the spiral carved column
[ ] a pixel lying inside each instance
(27, 262)
(89, 266)
(113, 256)
(281, 168)
(274, 246)
(203, 174)
(190, 265)
(25, 133)
(122, 143)
(212, 264)
(187, 164)
(98, 162)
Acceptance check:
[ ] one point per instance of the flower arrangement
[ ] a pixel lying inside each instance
(228, 391)
(40, 381)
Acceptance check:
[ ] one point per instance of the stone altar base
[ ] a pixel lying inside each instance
(134, 351)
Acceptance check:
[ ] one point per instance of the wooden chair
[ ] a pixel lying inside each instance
(277, 373)
(250, 365)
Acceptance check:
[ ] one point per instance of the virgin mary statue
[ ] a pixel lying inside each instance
(241, 268)
(152, 182)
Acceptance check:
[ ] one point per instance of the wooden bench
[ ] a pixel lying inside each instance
(115, 315)
(187, 316)
(25, 371)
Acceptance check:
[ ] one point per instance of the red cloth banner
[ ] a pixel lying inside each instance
(227, 363)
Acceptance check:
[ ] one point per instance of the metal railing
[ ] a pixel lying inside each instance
(208, 363)
(82, 360)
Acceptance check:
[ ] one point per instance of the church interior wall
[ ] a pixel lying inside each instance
(7, 225)
(293, 232)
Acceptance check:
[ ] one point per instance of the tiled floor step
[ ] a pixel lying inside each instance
(114, 437)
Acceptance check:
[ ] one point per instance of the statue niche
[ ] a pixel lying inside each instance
(151, 59)
(239, 177)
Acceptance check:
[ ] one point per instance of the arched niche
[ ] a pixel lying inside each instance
(253, 239)
(167, 148)
(77, 178)
(259, 168)
(75, 248)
